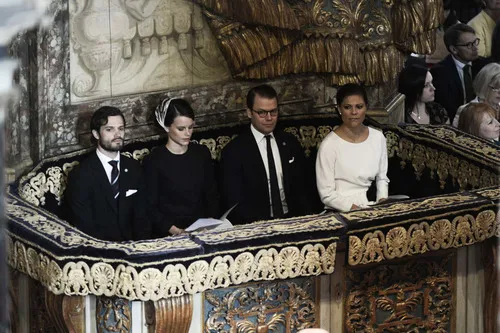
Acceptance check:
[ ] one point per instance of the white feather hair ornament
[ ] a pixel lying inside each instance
(161, 112)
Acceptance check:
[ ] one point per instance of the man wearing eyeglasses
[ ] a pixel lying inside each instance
(262, 168)
(453, 75)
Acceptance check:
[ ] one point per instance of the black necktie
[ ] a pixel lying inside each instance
(275, 191)
(115, 184)
(469, 91)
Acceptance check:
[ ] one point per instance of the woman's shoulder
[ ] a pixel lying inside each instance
(196, 148)
(330, 138)
(375, 132)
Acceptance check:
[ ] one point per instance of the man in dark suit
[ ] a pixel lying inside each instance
(104, 194)
(262, 168)
(453, 75)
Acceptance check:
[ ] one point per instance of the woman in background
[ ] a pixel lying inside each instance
(487, 88)
(179, 176)
(351, 156)
(479, 119)
(415, 82)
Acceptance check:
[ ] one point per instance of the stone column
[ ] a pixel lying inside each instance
(16, 16)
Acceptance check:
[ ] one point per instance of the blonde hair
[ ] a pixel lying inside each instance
(489, 75)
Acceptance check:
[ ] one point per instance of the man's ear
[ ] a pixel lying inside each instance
(95, 134)
(249, 113)
(453, 49)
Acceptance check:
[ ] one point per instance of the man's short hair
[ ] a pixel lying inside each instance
(100, 118)
(453, 33)
(263, 90)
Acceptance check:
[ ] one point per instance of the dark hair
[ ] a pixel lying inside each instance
(453, 33)
(495, 43)
(177, 107)
(411, 83)
(472, 116)
(351, 89)
(451, 19)
(100, 118)
(264, 90)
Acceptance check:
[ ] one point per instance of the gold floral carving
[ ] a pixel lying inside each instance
(309, 137)
(492, 193)
(286, 306)
(69, 237)
(423, 237)
(405, 206)
(113, 315)
(346, 40)
(441, 163)
(128, 282)
(407, 297)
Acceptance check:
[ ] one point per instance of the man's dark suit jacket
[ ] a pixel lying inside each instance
(91, 205)
(244, 179)
(449, 90)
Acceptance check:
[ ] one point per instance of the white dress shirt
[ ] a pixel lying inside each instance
(105, 159)
(262, 144)
(460, 69)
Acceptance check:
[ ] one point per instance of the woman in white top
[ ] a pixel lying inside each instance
(487, 88)
(351, 156)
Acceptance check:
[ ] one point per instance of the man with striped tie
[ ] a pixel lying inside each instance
(104, 194)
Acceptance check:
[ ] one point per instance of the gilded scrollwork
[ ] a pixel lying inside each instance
(77, 277)
(422, 157)
(346, 40)
(53, 180)
(286, 306)
(423, 237)
(401, 297)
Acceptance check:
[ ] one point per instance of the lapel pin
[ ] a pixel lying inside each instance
(284, 143)
(126, 170)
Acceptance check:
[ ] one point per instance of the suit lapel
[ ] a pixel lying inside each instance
(103, 182)
(254, 160)
(455, 76)
(124, 179)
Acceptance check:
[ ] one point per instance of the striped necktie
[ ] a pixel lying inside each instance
(115, 184)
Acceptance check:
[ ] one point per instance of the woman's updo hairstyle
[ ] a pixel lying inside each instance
(171, 108)
(350, 89)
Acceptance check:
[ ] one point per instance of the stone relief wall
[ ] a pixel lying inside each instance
(127, 47)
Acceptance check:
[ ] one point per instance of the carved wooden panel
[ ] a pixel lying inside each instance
(66, 312)
(113, 315)
(412, 296)
(285, 306)
(13, 299)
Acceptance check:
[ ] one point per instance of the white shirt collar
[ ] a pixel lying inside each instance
(105, 159)
(258, 135)
(460, 64)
